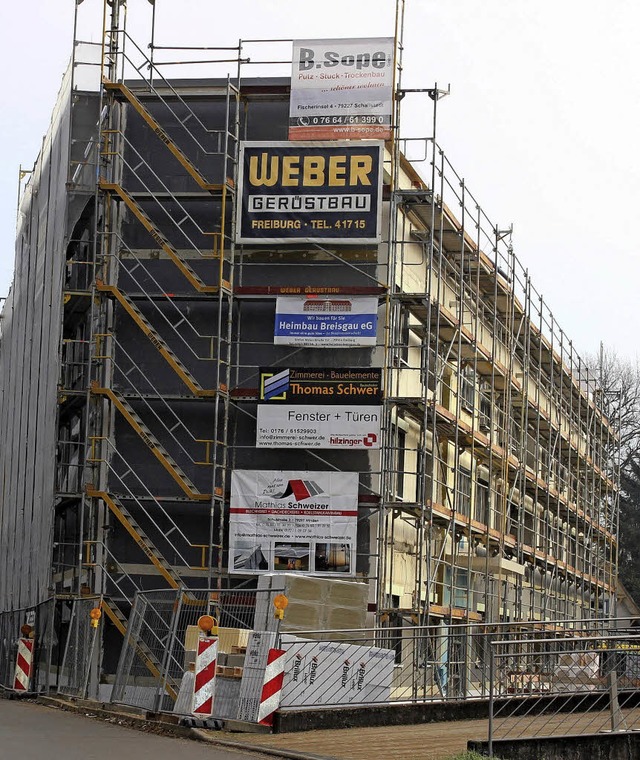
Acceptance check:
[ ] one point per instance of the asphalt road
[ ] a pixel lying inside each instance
(29, 731)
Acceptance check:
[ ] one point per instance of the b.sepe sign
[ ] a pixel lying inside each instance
(320, 192)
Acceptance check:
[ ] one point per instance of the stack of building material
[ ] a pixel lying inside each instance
(314, 604)
(316, 673)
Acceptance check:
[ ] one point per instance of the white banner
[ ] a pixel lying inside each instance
(325, 672)
(286, 426)
(326, 321)
(341, 89)
(297, 521)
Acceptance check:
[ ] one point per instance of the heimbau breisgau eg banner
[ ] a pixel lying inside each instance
(326, 321)
(318, 408)
(310, 192)
(341, 89)
(297, 521)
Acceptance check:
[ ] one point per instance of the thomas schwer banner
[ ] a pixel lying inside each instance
(319, 408)
(326, 321)
(341, 89)
(304, 522)
(310, 192)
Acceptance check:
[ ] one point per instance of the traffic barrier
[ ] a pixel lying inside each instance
(272, 686)
(24, 665)
(205, 680)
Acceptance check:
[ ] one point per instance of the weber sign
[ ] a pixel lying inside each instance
(326, 321)
(319, 408)
(314, 193)
(341, 89)
(303, 522)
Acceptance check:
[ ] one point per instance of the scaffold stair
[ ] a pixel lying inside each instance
(187, 164)
(114, 613)
(125, 518)
(135, 208)
(167, 354)
(157, 449)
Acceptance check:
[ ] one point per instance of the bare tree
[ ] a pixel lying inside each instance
(619, 380)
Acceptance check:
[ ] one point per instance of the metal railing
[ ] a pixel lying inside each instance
(330, 668)
(561, 685)
(162, 625)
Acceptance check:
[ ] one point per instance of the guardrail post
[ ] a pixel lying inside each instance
(491, 697)
(614, 705)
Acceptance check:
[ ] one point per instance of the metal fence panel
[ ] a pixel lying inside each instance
(79, 649)
(142, 668)
(154, 656)
(565, 684)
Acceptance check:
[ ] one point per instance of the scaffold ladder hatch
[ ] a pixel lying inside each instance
(145, 326)
(154, 445)
(122, 89)
(196, 282)
(135, 531)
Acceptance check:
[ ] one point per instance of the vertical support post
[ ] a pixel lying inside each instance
(166, 658)
(617, 718)
(491, 697)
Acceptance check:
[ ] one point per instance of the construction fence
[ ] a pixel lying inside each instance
(564, 685)
(332, 668)
(538, 678)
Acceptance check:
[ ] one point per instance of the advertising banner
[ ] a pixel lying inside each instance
(299, 385)
(318, 427)
(310, 192)
(319, 408)
(341, 89)
(326, 321)
(303, 522)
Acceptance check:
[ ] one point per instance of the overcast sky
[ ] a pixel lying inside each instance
(543, 120)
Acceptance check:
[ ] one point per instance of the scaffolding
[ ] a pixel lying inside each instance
(494, 495)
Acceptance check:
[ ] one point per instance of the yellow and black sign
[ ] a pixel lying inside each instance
(310, 192)
(318, 385)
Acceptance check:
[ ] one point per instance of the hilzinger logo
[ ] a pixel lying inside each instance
(368, 440)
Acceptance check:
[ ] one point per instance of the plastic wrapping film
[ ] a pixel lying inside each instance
(29, 372)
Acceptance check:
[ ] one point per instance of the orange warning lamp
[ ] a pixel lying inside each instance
(26, 630)
(280, 603)
(208, 625)
(95, 615)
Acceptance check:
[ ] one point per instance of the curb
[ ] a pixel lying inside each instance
(284, 753)
(138, 721)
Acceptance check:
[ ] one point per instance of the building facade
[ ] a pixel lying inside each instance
(141, 331)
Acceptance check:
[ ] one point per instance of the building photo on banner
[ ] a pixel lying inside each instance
(326, 321)
(301, 522)
(341, 89)
(344, 413)
(322, 192)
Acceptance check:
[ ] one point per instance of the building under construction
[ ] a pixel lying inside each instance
(139, 330)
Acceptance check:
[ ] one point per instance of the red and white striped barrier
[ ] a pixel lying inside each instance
(24, 665)
(272, 686)
(205, 681)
